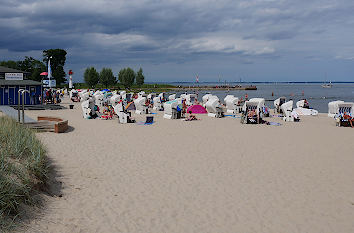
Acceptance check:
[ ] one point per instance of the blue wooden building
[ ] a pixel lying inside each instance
(11, 80)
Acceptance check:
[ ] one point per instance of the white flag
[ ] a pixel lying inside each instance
(49, 73)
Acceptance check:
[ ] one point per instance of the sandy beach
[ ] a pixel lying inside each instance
(212, 175)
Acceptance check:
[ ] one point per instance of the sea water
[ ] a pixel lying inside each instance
(317, 96)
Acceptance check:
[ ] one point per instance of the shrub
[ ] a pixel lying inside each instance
(23, 167)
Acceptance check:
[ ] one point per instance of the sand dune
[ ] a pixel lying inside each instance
(212, 175)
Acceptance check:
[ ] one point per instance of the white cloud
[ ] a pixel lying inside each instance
(123, 39)
(226, 44)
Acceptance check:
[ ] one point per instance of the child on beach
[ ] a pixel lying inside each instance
(191, 117)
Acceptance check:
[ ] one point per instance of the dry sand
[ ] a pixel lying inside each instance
(212, 175)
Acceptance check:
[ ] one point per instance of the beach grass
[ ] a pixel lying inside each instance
(23, 168)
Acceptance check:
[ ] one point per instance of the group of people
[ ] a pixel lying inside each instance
(52, 96)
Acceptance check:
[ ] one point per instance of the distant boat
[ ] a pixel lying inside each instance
(327, 85)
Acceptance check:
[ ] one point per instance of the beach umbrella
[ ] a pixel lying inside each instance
(105, 90)
(44, 73)
(197, 109)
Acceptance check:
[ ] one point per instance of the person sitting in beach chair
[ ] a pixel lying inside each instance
(251, 112)
(107, 112)
(347, 117)
(252, 116)
(345, 114)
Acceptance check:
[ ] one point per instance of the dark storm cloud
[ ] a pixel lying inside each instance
(179, 31)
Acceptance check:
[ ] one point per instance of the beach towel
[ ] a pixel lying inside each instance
(274, 123)
(149, 121)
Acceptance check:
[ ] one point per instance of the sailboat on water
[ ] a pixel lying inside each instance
(327, 85)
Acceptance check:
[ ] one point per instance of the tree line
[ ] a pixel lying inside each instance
(36, 67)
(126, 76)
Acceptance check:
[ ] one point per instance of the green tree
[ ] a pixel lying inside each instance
(140, 77)
(91, 77)
(57, 63)
(29, 64)
(33, 66)
(106, 77)
(126, 77)
(10, 64)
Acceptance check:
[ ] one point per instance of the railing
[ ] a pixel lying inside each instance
(21, 92)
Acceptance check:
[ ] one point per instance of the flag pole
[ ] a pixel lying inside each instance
(49, 73)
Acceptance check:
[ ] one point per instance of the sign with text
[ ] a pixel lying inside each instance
(13, 76)
(52, 82)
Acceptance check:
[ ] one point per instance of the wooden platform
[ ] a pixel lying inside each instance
(49, 124)
(41, 107)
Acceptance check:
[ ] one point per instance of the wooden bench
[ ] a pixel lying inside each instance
(51, 124)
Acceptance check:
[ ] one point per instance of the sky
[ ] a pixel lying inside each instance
(252, 40)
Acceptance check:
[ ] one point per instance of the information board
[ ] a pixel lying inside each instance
(13, 76)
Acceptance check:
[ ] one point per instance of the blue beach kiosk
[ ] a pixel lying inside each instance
(11, 80)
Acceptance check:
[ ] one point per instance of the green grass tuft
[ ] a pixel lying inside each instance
(23, 168)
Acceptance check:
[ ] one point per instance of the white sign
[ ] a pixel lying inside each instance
(52, 82)
(13, 76)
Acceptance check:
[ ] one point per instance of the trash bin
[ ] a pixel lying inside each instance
(71, 106)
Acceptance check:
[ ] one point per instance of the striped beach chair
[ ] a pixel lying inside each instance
(345, 109)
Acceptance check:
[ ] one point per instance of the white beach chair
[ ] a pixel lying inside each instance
(287, 109)
(88, 108)
(141, 94)
(278, 102)
(260, 104)
(74, 95)
(172, 97)
(163, 97)
(123, 116)
(122, 93)
(214, 108)
(333, 108)
(114, 100)
(140, 106)
(157, 104)
(300, 103)
(170, 109)
(151, 96)
(84, 96)
(346, 108)
(190, 98)
(254, 105)
(183, 96)
(205, 98)
(99, 99)
(232, 104)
